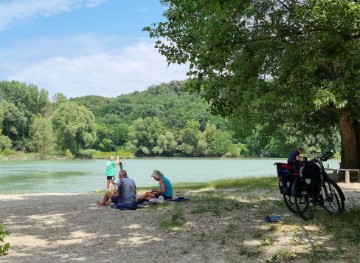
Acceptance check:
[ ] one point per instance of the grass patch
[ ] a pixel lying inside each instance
(174, 220)
(190, 186)
(265, 183)
(105, 155)
(179, 187)
(282, 257)
(210, 202)
(343, 227)
(250, 252)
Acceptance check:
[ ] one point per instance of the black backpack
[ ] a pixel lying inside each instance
(310, 178)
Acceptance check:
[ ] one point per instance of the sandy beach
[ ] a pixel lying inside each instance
(71, 228)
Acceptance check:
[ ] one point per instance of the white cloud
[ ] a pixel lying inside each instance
(82, 64)
(105, 72)
(12, 12)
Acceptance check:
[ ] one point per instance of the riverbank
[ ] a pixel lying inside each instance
(223, 225)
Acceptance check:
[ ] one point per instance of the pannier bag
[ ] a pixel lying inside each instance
(310, 178)
(285, 177)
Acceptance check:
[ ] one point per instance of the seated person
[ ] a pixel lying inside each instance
(165, 188)
(294, 158)
(126, 191)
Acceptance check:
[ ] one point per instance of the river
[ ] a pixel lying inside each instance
(83, 176)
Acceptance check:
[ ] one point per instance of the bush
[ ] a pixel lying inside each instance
(123, 154)
(3, 248)
(5, 143)
(86, 154)
(7, 152)
(68, 154)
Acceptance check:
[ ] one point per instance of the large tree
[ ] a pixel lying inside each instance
(42, 136)
(144, 134)
(270, 62)
(14, 123)
(74, 126)
(21, 104)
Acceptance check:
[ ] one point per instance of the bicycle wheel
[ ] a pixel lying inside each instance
(304, 202)
(333, 197)
(289, 202)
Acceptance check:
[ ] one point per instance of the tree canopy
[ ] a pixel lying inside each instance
(74, 125)
(163, 120)
(272, 63)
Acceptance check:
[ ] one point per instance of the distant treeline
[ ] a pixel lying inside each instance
(164, 120)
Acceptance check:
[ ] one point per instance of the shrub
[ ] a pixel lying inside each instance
(68, 154)
(3, 248)
(5, 143)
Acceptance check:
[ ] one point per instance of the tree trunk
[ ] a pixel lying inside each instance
(349, 144)
(357, 131)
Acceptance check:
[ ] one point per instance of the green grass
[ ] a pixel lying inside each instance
(265, 183)
(252, 183)
(344, 227)
(173, 220)
(105, 155)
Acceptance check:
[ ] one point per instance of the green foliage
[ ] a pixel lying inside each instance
(7, 152)
(246, 183)
(42, 136)
(189, 138)
(218, 142)
(2, 112)
(20, 103)
(5, 142)
(86, 154)
(143, 135)
(106, 145)
(58, 98)
(69, 154)
(166, 144)
(122, 153)
(15, 123)
(5, 247)
(183, 126)
(268, 63)
(74, 126)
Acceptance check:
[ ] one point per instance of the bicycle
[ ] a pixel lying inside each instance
(310, 187)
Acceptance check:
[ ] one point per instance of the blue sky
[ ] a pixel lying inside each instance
(83, 47)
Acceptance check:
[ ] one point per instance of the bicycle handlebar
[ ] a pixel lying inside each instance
(326, 156)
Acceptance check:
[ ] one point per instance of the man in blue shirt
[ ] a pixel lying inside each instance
(294, 157)
(126, 192)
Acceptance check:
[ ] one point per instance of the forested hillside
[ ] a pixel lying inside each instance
(164, 120)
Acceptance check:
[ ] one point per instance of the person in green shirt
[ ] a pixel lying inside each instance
(110, 171)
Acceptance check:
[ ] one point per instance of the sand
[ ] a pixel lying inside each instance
(71, 228)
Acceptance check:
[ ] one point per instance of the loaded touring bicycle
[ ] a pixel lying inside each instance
(309, 186)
